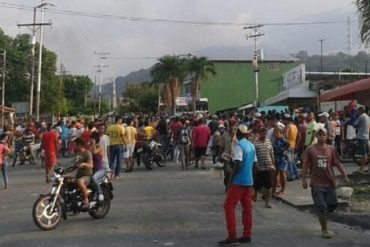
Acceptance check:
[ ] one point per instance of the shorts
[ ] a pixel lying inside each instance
(282, 165)
(129, 152)
(263, 179)
(324, 199)
(86, 179)
(363, 147)
(200, 151)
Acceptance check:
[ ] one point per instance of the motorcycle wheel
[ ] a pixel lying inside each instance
(147, 162)
(103, 207)
(160, 160)
(42, 216)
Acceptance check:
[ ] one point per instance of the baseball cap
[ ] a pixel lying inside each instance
(321, 130)
(257, 114)
(243, 129)
(323, 114)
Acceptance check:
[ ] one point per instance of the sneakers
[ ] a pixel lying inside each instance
(325, 234)
(229, 242)
(245, 240)
(101, 197)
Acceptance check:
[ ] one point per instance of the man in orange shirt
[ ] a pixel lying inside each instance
(291, 134)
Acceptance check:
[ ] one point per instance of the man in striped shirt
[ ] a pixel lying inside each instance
(265, 168)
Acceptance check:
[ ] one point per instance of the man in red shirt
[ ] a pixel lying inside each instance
(85, 136)
(320, 160)
(49, 144)
(200, 139)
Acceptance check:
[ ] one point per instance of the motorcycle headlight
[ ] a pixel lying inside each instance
(55, 179)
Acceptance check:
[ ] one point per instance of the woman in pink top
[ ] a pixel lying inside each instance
(4, 150)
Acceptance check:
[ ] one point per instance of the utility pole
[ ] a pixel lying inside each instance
(257, 54)
(60, 86)
(3, 89)
(318, 85)
(102, 56)
(34, 28)
(114, 95)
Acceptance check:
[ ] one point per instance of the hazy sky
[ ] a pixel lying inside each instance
(76, 38)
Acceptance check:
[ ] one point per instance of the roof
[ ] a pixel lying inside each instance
(238, 53)
(347, 91)
(300, 91)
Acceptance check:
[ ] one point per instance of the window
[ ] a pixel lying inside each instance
(273, 66)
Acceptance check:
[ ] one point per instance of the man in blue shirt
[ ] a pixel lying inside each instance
(240, 189)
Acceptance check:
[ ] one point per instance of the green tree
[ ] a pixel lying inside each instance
(141, 97)
(170, 71)
(198, 69)
(363, 7)
(75, 90)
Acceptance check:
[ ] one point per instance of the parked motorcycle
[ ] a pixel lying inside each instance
(152, 153)
(65, 199)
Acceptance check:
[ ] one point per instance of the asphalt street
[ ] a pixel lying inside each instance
(162, 207)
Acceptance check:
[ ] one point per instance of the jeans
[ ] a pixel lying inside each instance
(4, 171)
(116, 153)
(95, 180)
(234, 195)
(185, 156)
(292, 171)
(64, 146)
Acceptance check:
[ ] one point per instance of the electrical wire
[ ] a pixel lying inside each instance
(163, 20)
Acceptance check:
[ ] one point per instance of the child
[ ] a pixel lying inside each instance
(281, 146)
(4, 151)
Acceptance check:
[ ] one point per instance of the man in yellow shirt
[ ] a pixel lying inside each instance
(149, 130)
(291, 134)
(130, 140)
(116, 134)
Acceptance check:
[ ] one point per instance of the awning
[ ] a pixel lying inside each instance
(7, 109)
(244, 107)
(346, 92)
(300, 91)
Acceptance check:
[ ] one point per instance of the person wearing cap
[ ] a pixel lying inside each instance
(240, 189)
(324, 120)
(362, 125)
(319, 161)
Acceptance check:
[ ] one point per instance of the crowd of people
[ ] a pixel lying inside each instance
(258, 151)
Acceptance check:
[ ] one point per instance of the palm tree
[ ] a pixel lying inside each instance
(198, 69)
(363, 7)
(170, 71)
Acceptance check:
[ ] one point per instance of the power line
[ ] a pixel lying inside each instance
(164, 20)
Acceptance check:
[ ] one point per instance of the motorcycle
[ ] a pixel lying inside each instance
(152, 153)
(65, 199)
(23, 153)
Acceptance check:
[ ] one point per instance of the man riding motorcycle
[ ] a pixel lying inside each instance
(84, 169)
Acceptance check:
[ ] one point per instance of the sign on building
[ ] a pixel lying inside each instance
(182, 101)
(294, 76)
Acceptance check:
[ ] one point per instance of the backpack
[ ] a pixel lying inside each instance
(184, 137)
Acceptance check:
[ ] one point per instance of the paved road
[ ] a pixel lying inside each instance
(163, 207)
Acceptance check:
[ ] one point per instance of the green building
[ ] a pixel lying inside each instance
(233, 85)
